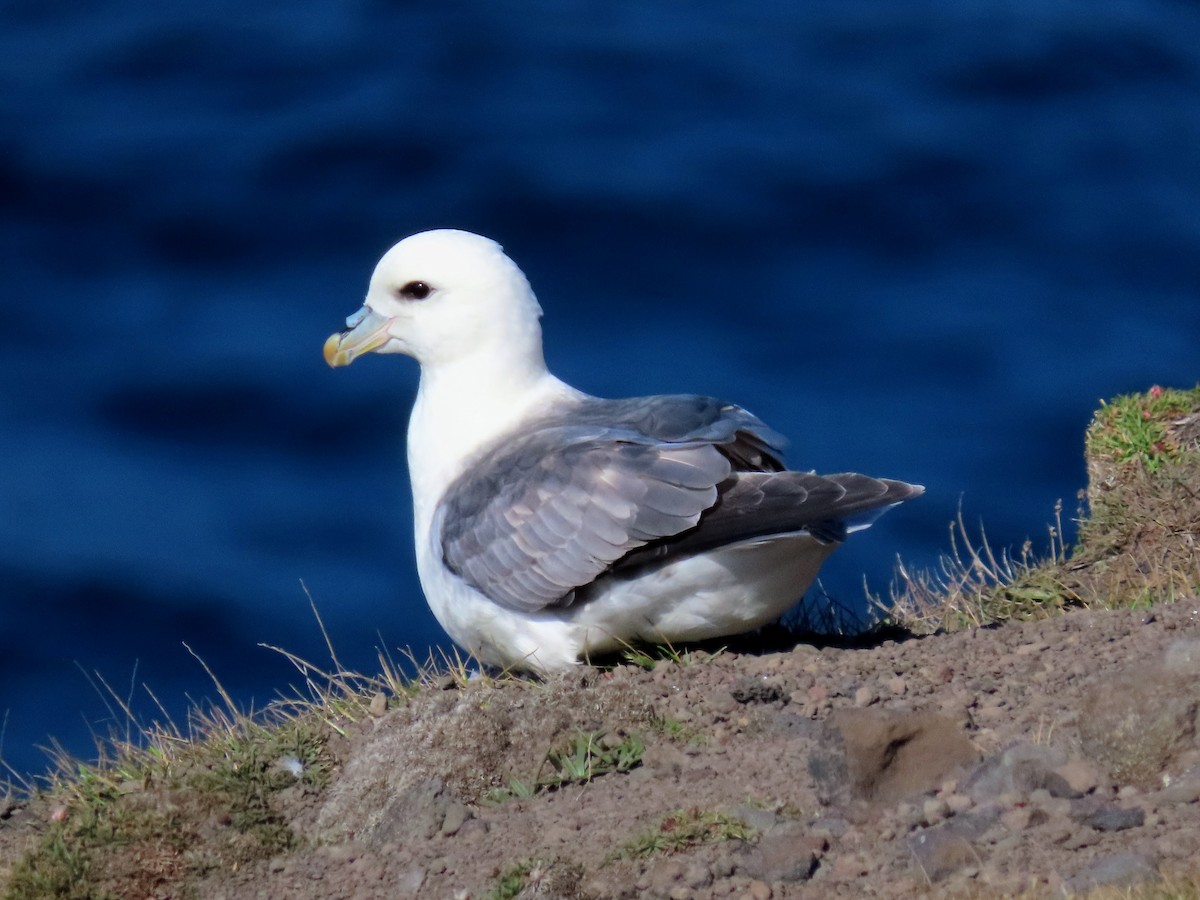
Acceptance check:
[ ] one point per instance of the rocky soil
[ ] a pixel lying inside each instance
(1061, 754)
(1058, 755)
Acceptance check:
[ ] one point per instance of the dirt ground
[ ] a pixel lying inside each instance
(1059, 755)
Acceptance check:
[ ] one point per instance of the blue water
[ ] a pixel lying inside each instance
(922, 239)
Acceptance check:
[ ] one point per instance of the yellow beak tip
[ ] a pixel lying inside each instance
(333, 344)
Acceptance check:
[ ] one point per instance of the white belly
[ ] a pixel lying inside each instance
(727, 591)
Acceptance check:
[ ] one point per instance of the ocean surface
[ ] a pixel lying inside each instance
(922, 239)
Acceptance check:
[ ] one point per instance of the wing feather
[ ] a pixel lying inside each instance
(547, 512)
(606, 485)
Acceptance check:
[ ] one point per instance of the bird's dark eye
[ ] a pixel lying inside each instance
(414, 290)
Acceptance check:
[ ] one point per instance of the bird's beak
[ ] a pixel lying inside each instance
(366, 330)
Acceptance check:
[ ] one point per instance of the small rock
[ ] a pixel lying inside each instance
(1015, 819)
(722, 703)
(1080, 838)
(1021, 817)
(755, 689)
(781, 857)
(1036, 779)
(378, 705)
(816, 844)
(1039, 796)
(722, 867)
(1018, 770)
(1183, 657)
(848, 867)
(1179, 792)
(958, 803)
(940, 853)
(898, 686)
(8, 806)
(829, 828)
(864, 697)
(761, 820)
(1080, 775)
(935, 810)
(410, 882)
(1057, 832)
(697, 876)
(1052, 806)
(1115, 818)
(1169, 845)
(456, 815)
(758, 890)
(1116, 870)
(343, 852)
(665, 875)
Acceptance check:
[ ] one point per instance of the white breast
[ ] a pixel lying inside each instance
(727, 591)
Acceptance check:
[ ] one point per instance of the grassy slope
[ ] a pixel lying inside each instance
(164, 811)
(1136, 542)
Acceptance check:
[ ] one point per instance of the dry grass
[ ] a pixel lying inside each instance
(683, 829)
(165, 805)
(1137, 540)
(975, 585)
(1171, 886)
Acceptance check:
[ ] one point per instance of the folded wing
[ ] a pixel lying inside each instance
(612, 484)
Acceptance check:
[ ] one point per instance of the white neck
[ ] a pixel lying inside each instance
(464, 405)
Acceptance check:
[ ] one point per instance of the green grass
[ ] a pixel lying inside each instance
(153, 816)
(585, 756)
(682, 829)
(648, 658)
(1136, 428)
(513, 880)
(680, 732)
(163, 806)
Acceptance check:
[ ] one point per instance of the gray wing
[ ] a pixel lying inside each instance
(682, 418)
(547, 512)
(761, 505)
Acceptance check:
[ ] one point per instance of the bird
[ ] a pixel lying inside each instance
(553, 527)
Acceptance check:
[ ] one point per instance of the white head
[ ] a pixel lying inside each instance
(441, 296)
